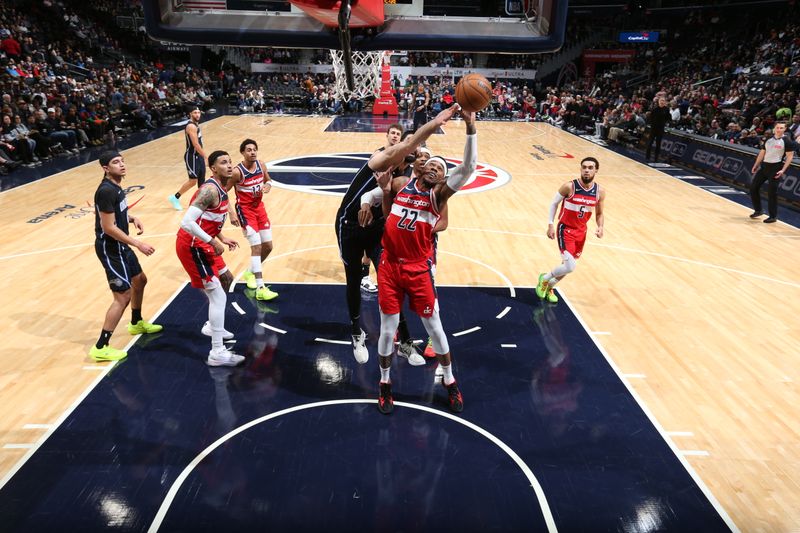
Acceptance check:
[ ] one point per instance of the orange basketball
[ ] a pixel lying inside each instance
(473, 92)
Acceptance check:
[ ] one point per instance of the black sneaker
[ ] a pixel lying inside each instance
(385, 401)
(770, 220)
(756, 214)
(455, 398)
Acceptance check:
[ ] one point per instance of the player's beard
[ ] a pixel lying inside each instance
(587, 182)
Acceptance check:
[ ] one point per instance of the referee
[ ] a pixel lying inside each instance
(112, 245)
(776, 155)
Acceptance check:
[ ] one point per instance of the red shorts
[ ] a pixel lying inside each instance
(396, 279)
(570, 240)
(199, 261)
(253, 216)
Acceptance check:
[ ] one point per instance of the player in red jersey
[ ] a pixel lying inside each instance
(200, 245)
(578, 199)
(413, 207)
(252, 182)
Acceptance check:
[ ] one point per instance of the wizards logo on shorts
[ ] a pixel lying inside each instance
(332, 173)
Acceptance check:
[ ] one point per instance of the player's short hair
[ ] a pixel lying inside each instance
(216, 155)
(779, 122)
(593, 160)
(396, 126)
(245, 143)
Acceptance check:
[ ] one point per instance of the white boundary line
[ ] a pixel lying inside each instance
(273, 328)
(467, 331)
(697, 479)
(238, 308)
(176, 485)
(331, 341)
(504, 312)
(37, 426)
(106, 369)
(14, 446)
(696, 453)
(508, 345)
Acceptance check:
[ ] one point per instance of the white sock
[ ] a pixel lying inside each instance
(385, 374)
(216, 315)
(447, 374)
(255, 268)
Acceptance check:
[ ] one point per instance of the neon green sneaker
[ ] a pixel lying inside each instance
(551, 296)
(265, 294)
(143, 327)
(541, 287)
(249, 278)
(106, 353)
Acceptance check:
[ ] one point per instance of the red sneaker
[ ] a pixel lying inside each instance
(429, 349)
(385, 401)
(455, 398)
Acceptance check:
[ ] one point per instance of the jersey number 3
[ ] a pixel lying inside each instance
(408, 221)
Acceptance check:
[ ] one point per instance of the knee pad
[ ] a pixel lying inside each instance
(569, 262)
(266, 235)
(389, 325)
(433, 326)
(252, 236)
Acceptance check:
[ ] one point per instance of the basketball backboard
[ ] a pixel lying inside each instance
(506, 26)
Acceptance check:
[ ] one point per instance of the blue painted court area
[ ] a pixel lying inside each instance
(547, 398)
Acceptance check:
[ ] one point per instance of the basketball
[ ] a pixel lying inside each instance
(473, 92)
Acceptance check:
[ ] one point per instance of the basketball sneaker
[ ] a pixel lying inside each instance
(551, 296)
(223, 357)
(455, 398)
(756, 214)
(250, 279)
(143, 327)
(429, 352)
(385, 400)
(368, 285)
(226, 335)
(360, 351)
(106, 353)
(176, 204)
(407, 350)
(541, 287)
(265, 294)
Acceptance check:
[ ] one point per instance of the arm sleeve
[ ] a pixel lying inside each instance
(460, 174)
(104, 199)
(551, 213)
(189, 223)
(373, 197)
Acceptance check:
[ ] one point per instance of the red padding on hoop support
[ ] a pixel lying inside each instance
(363, 13)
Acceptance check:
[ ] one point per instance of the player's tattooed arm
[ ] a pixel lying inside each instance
(207, 197)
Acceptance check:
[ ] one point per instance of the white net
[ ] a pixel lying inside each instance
(366, 74)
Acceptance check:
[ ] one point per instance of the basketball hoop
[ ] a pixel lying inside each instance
(366, 73)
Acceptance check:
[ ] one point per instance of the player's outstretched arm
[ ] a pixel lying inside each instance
(459, 175)
(393, 156)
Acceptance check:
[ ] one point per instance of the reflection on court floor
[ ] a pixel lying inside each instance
(550, 437)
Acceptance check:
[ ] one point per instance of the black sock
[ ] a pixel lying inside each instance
(105, 336)
(402, 330)
(136, 315)
(355, 327)
(365, 270)
(177, 195)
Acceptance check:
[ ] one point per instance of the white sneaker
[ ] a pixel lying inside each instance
(368, 285)
(360, 351)
(226, 335)
(223, 357)
(407, 350)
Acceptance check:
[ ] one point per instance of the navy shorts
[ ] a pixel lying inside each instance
(196, 167)
(120, 263)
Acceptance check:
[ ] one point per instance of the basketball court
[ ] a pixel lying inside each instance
(658, 394)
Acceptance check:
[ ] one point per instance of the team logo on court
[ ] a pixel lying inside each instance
(332, 173)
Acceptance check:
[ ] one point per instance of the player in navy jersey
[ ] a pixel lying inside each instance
(578, 199)
(113, 247)
(194, 157)
(412, 207)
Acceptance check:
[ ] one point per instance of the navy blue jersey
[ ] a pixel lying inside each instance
(110, 198)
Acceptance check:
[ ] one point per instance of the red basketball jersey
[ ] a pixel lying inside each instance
(249, 190)
(213, 218)
(408, 234)
(577, 208)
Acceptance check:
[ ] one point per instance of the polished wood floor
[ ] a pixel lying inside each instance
(694, 302)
